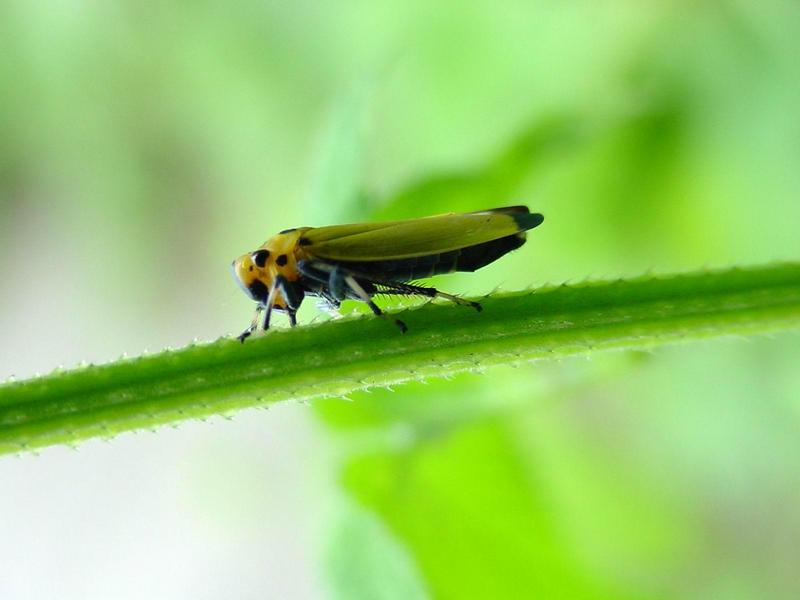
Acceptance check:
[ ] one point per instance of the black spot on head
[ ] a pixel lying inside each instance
(287, 231)
(282, 260)
(251, 268)
(260, 258)
(258, 291)
(304, 241)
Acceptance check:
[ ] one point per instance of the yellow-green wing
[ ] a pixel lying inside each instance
(417, 237)
(336, 232)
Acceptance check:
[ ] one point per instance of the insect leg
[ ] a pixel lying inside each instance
(363, 295)
(293, 295)
(316, 281)
(439, 294)
(291, 291)
(273, 292)
(337, 283)
(330, 303)
(314, 271)
(405, 288)
(331, 276)
(253, 325)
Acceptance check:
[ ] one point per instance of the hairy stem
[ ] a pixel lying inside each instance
(335, 358)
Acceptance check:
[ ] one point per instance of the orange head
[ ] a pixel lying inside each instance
(256, 271)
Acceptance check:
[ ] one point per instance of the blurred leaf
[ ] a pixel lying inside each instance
(631, 174)
(336, 194)
(613, 523)
(495, 184)
(366, 562)
(478, 525)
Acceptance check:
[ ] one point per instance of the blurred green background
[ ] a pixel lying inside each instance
(144, 145)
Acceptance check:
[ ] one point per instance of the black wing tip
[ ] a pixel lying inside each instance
(528, 221)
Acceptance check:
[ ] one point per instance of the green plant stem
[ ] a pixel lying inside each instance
(335, 358)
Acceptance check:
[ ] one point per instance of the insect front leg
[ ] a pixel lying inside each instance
(253, 325)
(291, 291)
(269, 304)
(293, 295)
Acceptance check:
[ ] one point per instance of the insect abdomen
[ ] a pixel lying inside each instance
(468, 259)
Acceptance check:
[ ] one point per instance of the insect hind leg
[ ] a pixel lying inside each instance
(476, 305)
(358, 289)
(418, 290)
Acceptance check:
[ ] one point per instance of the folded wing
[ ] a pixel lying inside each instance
(417, 237)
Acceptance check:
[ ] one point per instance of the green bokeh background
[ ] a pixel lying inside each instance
(144, 145)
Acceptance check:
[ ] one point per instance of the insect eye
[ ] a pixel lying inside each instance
(260, 258)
